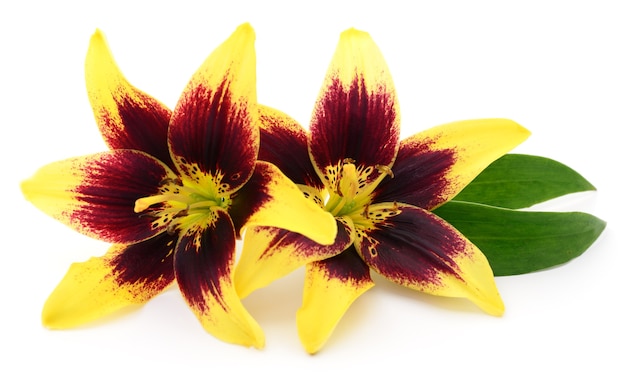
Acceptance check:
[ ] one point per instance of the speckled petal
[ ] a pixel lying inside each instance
(330, 287)
(284, 144)
(203, 262)
(96, 194)
(213, 132)
(269, 198)
(127, 117)
(270, 253)
(356, 115)
(415, 248)
(434, 165)
(127, 275)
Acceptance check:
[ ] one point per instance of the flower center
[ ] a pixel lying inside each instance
(352, 195)
(180, 203)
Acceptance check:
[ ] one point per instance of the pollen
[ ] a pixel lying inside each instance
(181, 200)
(352, 193)
(385, 170)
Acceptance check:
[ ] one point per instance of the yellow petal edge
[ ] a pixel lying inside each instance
(476, 143)
(89, 291)
(291, 210)
(324, 302)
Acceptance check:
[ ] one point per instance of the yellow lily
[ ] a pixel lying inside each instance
(381, 192)
(172, 194)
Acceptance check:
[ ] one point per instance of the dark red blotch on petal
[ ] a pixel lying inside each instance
(305, 246)
(211, 130)
(419, 176)
(347, 266)
(288, 150)
(252, 196)
(149, 262)
(354, 124)
(144, 128)
(112, 183)
(203, 258)
(413, 247)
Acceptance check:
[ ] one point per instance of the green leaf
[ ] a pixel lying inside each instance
(518, 242)
(519, 181)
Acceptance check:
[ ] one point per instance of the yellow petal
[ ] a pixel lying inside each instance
(213, 134)
(271, 253)
(204, 265)
(95, 194)
(356, 115)
(331, 286)
(269, 198)
(284, 143)
(127, 117)
(472, 146)
(415, 248)
(125, 276)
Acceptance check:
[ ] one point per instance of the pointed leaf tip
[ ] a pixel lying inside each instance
(518, 181)
(520, 242)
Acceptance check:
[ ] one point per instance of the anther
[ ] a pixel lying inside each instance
(150, 214)
(366, 212)
(385, 169)
(169, 180)
(171, 228)
(182, 213)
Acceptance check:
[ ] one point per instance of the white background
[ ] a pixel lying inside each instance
(556, 67)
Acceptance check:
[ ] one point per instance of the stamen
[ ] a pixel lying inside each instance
(182, 213)
(384, 172)
(169, 180)
(366, 211)
(142, 204)
(181, 200)
(151, 214)
(348, 183)
(171, 228)
(385, 169)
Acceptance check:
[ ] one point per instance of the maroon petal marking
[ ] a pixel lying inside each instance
(214, 132)
(284, 144)
(411, 246)
(420, 176)
(149, 262)
(354, 124)
(252, 196)
(203, 261)
(305, 248)
(111, 183)
(301, 249)
(249, 198)
(347, 266)
(270, 253)
(127, 117)
(144, 125)
(330, 287)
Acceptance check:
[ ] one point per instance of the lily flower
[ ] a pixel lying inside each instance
(172, 194)
(381, 192)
